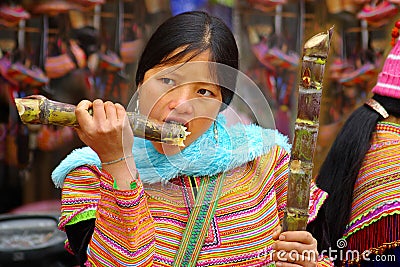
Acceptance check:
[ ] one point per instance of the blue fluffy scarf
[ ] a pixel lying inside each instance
(234, 146)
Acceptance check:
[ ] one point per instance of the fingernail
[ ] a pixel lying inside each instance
(273, 246)
(278, 263)
(281, 237)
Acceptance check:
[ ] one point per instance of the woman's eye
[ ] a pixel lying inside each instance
(205, 92)
(168, 81)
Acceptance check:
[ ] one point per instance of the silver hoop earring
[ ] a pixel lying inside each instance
(137, 106)
(215, 132)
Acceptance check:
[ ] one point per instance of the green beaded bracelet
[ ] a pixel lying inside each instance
(133, 184)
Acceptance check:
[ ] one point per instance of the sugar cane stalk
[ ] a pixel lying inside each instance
(37, 109)
(315, 54)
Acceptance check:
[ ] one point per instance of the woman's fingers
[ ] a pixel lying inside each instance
(123, 119)
(103, 112)
(99, 114)
(297, 236)
(277, 231)
(120, 111)
(84, 119)
(106, 131)
(306, 258)
(84, 104)
(110, 111)
(295, 247)
(296, 240)
(81, 110)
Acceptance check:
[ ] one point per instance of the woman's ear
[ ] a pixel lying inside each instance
(137, 89)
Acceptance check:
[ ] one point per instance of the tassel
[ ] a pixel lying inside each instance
(368, 239)
(395, 32)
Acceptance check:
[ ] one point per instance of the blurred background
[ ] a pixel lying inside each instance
(87, 49)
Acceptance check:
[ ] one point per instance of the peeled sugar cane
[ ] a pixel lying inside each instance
(37, 109)
(315, 54)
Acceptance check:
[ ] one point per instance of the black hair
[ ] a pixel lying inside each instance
(196, 32)
(340, 169)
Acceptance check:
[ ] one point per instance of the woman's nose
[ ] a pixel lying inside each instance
(182, 100)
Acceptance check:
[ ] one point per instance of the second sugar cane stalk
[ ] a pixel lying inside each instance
(37, 109)
(315, 54)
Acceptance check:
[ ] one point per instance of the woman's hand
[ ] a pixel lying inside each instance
(107, 131)
(294, 248)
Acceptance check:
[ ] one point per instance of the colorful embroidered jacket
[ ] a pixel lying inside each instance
(376, 197)
(144, 228)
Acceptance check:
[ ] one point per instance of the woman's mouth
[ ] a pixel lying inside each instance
(177, 121)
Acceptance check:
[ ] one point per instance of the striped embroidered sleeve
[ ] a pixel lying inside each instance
(124, 231)
(80, 195)
(317, 198)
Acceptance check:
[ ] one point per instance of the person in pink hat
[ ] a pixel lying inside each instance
(361, 173)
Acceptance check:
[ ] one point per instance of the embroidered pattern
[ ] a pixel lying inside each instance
(376, 198)
(146, 231)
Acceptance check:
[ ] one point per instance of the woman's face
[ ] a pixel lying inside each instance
(184, 93)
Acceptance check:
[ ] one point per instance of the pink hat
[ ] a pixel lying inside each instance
(389, 79)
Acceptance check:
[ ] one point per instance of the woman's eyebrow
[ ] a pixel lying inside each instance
(176, 74)
(172, 71)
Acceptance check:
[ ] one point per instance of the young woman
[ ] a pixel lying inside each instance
(215, 202)
(361, 173)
